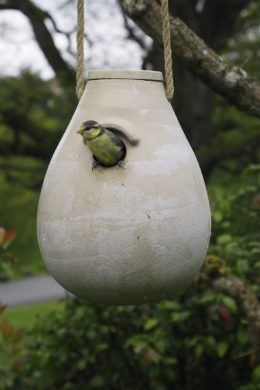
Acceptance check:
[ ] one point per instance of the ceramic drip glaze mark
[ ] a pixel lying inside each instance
(135, 91)
(171, 129)
(144, 111)
(167, 160)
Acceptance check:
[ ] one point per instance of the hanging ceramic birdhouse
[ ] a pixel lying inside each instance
(136, 230)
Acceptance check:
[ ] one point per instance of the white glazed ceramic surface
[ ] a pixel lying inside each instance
(133, 235)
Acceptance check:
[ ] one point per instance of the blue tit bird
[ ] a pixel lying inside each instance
(107, 148)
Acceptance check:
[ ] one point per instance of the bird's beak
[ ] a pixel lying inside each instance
(80, 132)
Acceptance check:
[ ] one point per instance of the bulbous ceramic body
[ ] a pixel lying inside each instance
(133, 235)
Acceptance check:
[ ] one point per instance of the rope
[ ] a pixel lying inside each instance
(167, 49)
(80, 49)
(166, 44)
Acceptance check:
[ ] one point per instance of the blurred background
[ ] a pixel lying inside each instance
(37, 100)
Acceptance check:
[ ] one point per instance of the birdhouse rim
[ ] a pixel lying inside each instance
(102, 74)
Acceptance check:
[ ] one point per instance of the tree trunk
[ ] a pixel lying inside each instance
(193, 103)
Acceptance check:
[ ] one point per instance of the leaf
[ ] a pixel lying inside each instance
(254, 243)
(180, 316)
(170, 360)
(91, 334)
(217, 216)
(97, 381)
(137, 342)
(225, 313)
(151, 323)
(17, 365)
(191, 342)
(81, 364)
(224, 239)
(6, 329)
(161, 344)
(242, 336)
(198, 351)
(256, 373)
(13, 260)
(138, 348)
(222, 348)
(171, 305)
(102, 347)
(152, 356)
(230, 304)
(242, 266)
(2, 234)
(208, 297)
(175, 316)
(211, 342)
(255, 201)
(8, 238)
(2, 307)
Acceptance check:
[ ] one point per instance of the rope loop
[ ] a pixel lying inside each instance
(166, 43)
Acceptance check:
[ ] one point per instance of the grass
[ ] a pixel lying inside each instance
(25, 316)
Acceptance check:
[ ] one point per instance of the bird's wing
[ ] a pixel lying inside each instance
(117, 140)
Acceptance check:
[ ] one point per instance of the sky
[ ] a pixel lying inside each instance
(104, 26)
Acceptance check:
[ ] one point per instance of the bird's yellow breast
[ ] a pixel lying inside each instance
(105, 149)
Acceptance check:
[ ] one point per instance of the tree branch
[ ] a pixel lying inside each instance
(44, 38)
(131, 31)
(229, 81)
(249, 303)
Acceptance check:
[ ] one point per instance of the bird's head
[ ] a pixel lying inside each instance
(89, 129)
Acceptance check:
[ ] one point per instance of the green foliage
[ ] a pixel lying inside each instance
(160, 346)
(199, 340)
(236, 226)
(18, 208)
(243, 45)
(10, 338)
(235, 139)
(13, 321)
(12, 348)
(33, 116)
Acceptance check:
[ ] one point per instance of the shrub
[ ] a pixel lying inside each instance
(199, 340)
(207, 337)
